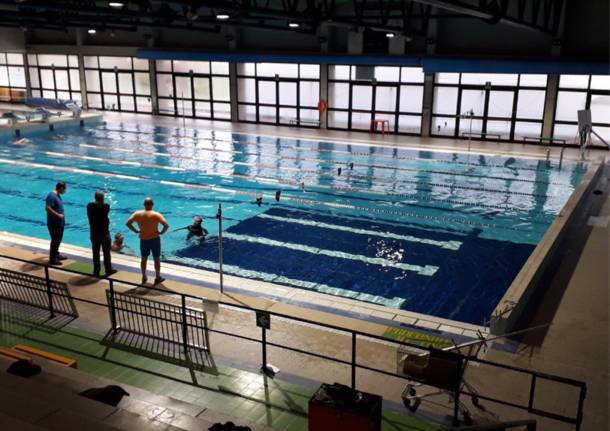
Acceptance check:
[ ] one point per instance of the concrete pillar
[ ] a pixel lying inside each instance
(355, 42)
(233, 86)
(26, 67)
(81, 68)
(552, 85)
(426, 118)
(152, 74)
(324, 93)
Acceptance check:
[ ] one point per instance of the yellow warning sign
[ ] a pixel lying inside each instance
(419, 338)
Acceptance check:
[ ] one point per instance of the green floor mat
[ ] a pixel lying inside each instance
(85, 268)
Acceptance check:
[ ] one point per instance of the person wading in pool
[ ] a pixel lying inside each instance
(150, 238)
(54, 207)
(97, 213)
(196, 230)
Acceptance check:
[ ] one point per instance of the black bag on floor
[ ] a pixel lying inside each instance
(111, 395)
(23, 368)
(229, 426)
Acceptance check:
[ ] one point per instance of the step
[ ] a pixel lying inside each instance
(52, 357)
(13, 355)
(10, 423)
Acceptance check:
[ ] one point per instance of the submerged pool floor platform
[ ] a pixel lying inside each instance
(437, 280)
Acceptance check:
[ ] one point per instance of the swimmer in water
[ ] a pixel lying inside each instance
(196, 230)
(59, 137)
(22, 141)
(119, 244)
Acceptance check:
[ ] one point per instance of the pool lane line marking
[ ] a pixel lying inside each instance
(449, 245)
(361, 177)
(334, 163)
(427, 270)
(308, 202)
(453, 162)
(113, 161)
(280, 279)
(297, 184)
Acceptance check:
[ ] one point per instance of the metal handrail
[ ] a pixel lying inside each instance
(354, 335)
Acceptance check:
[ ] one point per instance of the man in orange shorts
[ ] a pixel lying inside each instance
(150, 238)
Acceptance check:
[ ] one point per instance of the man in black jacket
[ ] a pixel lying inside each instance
(100, 234)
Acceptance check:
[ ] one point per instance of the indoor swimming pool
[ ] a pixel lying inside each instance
(432, 232)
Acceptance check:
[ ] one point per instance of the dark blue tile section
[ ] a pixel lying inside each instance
(467, 286)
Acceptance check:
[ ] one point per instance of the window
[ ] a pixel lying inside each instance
(278, 93)
(198, 89)
(577, 92)
(12, 77)
(482, 105)
(118, 83)
(392, 93)
(54, 76)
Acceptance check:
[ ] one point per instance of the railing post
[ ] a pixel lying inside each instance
(49, 293)
(184, 326)
(581, 402)
(530, 402)
(353, 360)
(264, 346)
(220, 251)
(112, 306)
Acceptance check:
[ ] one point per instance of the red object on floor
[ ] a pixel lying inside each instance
(385, 124)
(330, 413)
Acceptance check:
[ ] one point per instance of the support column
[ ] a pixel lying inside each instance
(26, 68)
(81, 69)
(152, 74)
(552, 85)
(355, 42)
(324, 93)
(426, 118)
(233, 87)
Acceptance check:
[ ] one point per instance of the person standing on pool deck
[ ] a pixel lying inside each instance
(97, 213)
(54, 207)
(150, 238)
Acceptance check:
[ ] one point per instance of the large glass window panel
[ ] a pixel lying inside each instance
(412, 98)
(140, 64)
(362, 97)
(287, 114)
(288, 95)
(568, 104)
(385, 98)
(361, 120)
(47, 78)
(52, 60)
(222, 110)
(183, 87)
(125, 84)
(164, 65)
(166, 106)
(473, 101)
(494, 78)
(338, 119)
(16, 76)
(447, 78)
(90, 62)
(267, 114)
(468, 126)
(34, 80)
(246, 69)
(220, 68)
(309, 93)
(387, 73)
(338, 95)
(109, 82)
(165, 86)
(203, 109)
(221, 88)
(443, 126)
(49, 94)
(144, 104)
(73, 61)
(530, 104)
(32, 59)
(445, 100)
(574, 81)
(142, 81)
(115, 62)
(62, 81)
(526, 80)
(63, 95)
(266, 93)
(311, 71)
(4, 81)
(565, 131)
(500, 104)
(246, 88)
(604, 132)
(339, 72)
(191, 66)
(202, 88)
(94, 100)
(128, 103)
(501, 128)
(13, 58)
(600, 82)
(600, 108)
(111, 102)
(74, 79)
(247, 112)
(92, 79)
(310, 114)
(409, 123)
(412, 74)
(523, 129)
(283, 70)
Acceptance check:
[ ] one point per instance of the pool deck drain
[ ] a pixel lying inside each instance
(205, 283)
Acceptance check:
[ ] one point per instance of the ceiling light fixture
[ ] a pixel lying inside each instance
(116, 4)
(91, 31)
(389, 35)
(222, 16)
(293, 24)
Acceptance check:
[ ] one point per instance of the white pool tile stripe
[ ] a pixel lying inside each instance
(449, 245)
(427, 270)
(319, 287)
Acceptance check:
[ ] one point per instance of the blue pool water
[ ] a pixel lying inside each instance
(431, 232)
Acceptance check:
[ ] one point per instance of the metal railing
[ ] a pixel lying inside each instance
(534, 376)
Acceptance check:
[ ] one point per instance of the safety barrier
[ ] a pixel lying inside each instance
(265, 316)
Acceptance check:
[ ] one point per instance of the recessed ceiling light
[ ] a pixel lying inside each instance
(222, 16)
(116, 4)
(91, 31)
(293, 24)
(389, 35)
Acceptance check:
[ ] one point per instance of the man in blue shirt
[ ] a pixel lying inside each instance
(55, 221)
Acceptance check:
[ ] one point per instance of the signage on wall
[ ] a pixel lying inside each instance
(263, 319)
